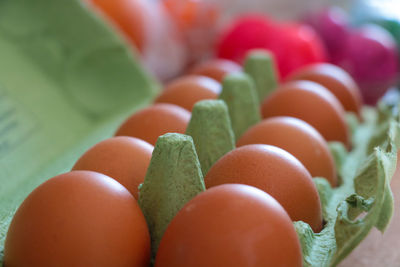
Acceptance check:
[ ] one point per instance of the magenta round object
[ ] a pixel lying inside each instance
(332, 26)
(370, 55)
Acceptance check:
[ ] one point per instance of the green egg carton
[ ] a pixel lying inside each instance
(66, 84)
(362, 200)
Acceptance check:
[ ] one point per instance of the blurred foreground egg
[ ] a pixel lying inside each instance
(186, 91)
(216, 68)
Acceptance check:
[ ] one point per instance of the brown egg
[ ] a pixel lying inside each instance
(274, 171)
(313, 103)
(230, 225)
(79, 218)
(122, 158)
(130, 16)
(149, 123)
(336, 80)
(299, 139)
(188, 90)
(216, 68)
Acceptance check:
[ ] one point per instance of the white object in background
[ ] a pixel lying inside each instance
(165, 54)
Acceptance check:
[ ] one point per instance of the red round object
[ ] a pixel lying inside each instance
(294, 45)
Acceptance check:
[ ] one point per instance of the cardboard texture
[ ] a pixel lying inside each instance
(65, 84)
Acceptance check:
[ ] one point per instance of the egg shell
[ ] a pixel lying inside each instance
(230, 225)
(122, 158)
(299, 139)
(188, 90)
(274, 171)
(313, 103)
(151, 122)
(336, 80)
(79, 218)
(130, 16)
(216, 68)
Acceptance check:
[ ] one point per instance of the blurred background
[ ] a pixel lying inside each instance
(361, 36)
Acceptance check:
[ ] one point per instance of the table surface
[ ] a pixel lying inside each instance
(379, 250)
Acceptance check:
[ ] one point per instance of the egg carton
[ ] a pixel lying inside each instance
(362, 200)
(78, 75)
